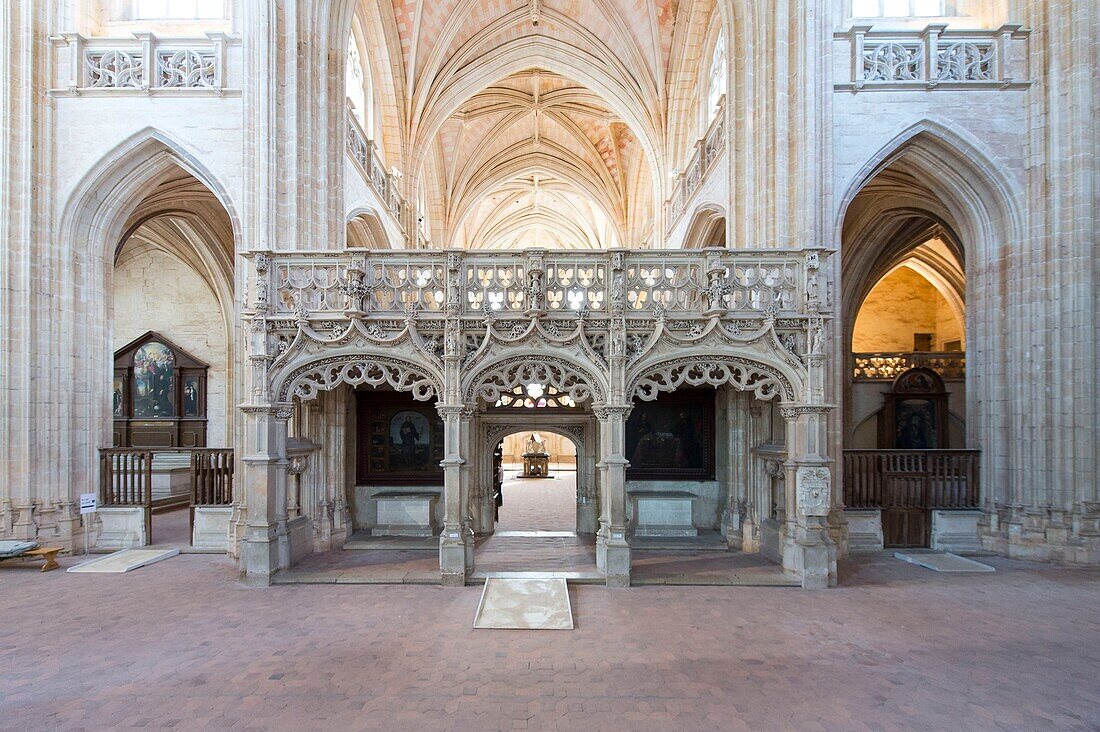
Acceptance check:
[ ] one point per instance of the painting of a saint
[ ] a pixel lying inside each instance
(154, 381)
(672, 436)
(116, 398)
(191, 397)
(916, 425)
(410, 436)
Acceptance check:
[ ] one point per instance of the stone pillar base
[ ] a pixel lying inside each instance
(121, 528)
(1043, 536)
(613, 560)
(452, 561)
(211, 529)
(259, 556)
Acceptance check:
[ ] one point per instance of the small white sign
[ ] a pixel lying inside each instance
(88, 503)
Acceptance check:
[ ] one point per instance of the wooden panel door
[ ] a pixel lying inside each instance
(905, 520)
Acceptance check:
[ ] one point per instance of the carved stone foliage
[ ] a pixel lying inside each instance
(326, 374)
(743, 374)
(504, 377)
(813, 490)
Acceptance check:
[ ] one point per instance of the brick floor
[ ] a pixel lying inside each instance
(181, 644)
(545, 504)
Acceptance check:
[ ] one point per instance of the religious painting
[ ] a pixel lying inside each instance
(916, 425)
(400, 440)
(191, 396)
(154, 381)
(118, 405)
(672, 437)
(410, 439)
(914, 415)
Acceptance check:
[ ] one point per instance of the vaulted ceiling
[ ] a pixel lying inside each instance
(534, 122)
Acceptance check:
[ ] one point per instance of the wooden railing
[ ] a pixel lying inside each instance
(939, 479)
(125, 476)
(212, 477)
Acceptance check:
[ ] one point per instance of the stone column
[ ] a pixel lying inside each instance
(468, 494)
(334, 473)
(588, 508)
(452, 542)
(808, 549)
(264, 549)
(612, 549)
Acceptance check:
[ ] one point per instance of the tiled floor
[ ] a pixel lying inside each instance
(547, 504)
(180, 644)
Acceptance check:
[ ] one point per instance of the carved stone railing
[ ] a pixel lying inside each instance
(673, 283)
(142, 64)
(606, 323)
(888, 366)
(934, 57)
(364, 152)
(707, 150)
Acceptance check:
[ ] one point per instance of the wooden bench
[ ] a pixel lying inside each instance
(46, 552)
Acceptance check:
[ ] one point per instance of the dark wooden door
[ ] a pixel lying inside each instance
(906, 522)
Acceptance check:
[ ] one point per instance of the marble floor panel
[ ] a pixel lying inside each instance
(524, 604)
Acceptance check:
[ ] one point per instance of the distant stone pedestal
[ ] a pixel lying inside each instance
(956, 531)
(536, 465)
(171, 478)
(211, 530)
(864, 530)
(666, 514)
(404, 514)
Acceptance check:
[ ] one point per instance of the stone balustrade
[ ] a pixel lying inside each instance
(649, 284)
(707, 150)
(888, 366)
(934, 57)
(363, 151)
(143, 63)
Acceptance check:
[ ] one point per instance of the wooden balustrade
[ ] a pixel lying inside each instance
(125, 476)
(926, 479)
(212, 477)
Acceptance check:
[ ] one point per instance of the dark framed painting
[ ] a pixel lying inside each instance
(915, 425)
(192, 396)
(400, 440)
(672, 437)
(158, 395)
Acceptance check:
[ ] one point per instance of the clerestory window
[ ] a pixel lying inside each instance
(899, 8)
(178, 10)
(355, 83)
(717, 77)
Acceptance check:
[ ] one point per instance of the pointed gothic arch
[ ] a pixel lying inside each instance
(500, 376)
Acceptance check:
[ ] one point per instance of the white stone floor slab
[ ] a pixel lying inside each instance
(943, 562)
(525, 604)
(125, 560)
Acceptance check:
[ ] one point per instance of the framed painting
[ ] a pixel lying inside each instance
(154, 381)
(400, 440)
(672, 437)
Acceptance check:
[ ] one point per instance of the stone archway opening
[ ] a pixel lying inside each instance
(536, 486)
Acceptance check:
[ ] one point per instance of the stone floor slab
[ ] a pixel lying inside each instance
(942, 561)
(524, 603)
